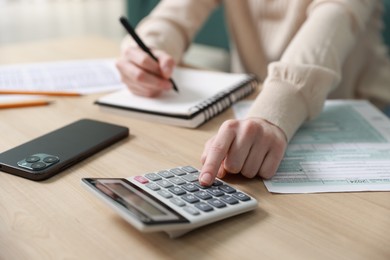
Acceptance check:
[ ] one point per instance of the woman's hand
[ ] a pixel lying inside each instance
(142, 74)
(251, 147)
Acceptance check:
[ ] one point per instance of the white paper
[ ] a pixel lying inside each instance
(79, 76)
(347, 148)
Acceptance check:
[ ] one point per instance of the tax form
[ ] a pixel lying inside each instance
(345, 149)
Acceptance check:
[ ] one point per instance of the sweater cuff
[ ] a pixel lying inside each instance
(281, 104)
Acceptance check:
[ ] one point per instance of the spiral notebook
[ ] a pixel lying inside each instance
(202, 95)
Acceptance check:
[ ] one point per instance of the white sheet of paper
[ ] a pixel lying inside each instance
(80, 76)
(347, 148)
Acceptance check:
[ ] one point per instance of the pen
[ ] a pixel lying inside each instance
(31, 103)
(37, 92)
(141, 44)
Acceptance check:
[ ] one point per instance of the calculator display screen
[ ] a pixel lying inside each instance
(137, 202)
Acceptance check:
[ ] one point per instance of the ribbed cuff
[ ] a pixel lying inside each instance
(282, 105)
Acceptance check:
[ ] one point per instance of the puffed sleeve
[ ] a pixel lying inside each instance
(297, 86)
(172, 24)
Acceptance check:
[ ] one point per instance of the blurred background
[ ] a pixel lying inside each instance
(32, 20)
(36, 20)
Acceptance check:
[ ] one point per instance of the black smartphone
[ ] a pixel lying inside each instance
(49, 154)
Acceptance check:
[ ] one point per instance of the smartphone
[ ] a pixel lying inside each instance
(49, 154)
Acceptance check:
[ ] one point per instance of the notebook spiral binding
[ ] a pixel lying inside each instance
(224, 100)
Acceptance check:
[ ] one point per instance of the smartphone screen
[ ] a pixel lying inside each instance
(49, 154)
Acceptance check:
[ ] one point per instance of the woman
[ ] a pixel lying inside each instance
(304, 51)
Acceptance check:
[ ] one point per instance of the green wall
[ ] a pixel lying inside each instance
(386, 19)
(213, 33)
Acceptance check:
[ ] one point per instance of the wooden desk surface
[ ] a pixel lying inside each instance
(58, 219)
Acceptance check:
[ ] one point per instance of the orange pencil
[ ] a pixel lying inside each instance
(37, 92)
(29, 103)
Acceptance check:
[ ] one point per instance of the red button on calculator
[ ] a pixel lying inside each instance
(141, 179)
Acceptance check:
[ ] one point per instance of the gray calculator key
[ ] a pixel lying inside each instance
(190, 198)
(177, 202)
(177, 180)
(178, 171)
(191, 177)
(204, 206)
(165, 174)
(229, 199)
(164, 183)
(190, 187)
(217, 183)
(152, 176)
(177, 190)
(241, 196)
(189, 169)
(204, 195)
(197, 183)
(227, 188)
(152, 186)
(165, 194)
(216, 203)
(191, 210)
(215, 192)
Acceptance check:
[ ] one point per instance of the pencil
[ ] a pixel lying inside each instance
(37, 92)
(30, 103)
(141, 44)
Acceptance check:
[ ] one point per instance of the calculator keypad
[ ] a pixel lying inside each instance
(181, 187)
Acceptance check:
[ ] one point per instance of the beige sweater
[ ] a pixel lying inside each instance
(305, 51)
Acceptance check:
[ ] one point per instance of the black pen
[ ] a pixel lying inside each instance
(141, 44)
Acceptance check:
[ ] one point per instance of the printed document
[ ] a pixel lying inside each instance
(346, 148)
(79, 76)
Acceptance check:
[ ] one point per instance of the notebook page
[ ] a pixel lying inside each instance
(195, 87)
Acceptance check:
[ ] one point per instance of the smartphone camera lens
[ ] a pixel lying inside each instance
(51, 159)
(38, 166)
(39, 161)
(32, 159)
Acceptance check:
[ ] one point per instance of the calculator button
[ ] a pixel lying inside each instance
(178, 171)
(191, 210)
(241, 196)
(177, 202)
(227, 188)
(141, 179)
(152, 186)
(216, 203)
(217, 183)
(197, 183)
(229, 199)
(165, 174)
(191, 177)
(215, 192)
(177, 180)
(203, 206)
(189, 169)
(177, 191)
(190, 187)
(164, 183)
(190, 198)
(202, 195)
(152, 176)
(165, 194)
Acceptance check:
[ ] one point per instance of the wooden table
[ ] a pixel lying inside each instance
(59, 219)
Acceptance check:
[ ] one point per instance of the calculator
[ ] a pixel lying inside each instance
(170, 200)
